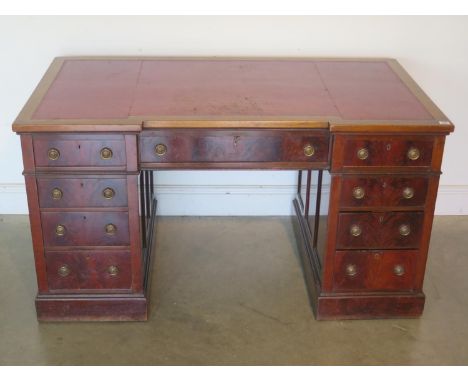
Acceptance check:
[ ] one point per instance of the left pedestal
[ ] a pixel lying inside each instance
(86, 228)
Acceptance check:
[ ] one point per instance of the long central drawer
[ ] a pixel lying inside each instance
(173, 148)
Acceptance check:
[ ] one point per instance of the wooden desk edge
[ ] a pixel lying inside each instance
(29, 127)
(227, 57)
(374, 127)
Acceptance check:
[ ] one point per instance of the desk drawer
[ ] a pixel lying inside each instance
(368, 230)
(76, 271)
(82, 192)
(374, 270)
(382, 151)
(359, 191)
(234, 146)
(85, 228)
(79, 150)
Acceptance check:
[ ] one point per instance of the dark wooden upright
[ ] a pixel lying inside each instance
(96, 127)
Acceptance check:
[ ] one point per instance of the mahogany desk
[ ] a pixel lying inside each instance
(96, 127)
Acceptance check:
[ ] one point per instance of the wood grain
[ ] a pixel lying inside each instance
(89, 271)
(354, 306)
(375, 271)
(85, 228)
(379, 230)
(34, 213)
(86, 307)
(383, 152)
(79, 150)
(82, 192)
(224, 146)
(383, 191)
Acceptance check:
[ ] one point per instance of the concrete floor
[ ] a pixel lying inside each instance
(229, 291)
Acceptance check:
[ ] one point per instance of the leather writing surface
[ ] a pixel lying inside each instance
(100, 89)
(203, 87)
(370, 90)
(90, 89)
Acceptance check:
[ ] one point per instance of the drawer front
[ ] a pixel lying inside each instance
(82, 192)
(385, 151)
(357, 191)
(387, 230)
(374, 270)
(96, 271)
(79, 150)
(224, 146)
(85, 228)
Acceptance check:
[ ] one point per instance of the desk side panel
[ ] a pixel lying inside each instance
(34, 211)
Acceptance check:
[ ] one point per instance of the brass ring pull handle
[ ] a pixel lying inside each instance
(108, 193)
(355, 230)
(363, 154)
(57, 194)
(63, 271)
(53, 154)
(351, 270)
(399, 270)
(408, 192)
(113, 270)
(110, 229)
(106, 153)
(60, 230)
(358, 192)
(404, 230)
(309, 150)
(413, 153)
(160, 149)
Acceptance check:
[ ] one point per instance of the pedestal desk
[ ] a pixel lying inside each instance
(96, 128)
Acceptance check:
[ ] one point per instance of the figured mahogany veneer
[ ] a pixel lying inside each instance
(383, 191)
(382, 152)
(85, 228)
(233, 146)
(79, 150)
(374, 270)
(60, 192)
(379, 230)
(95, 127)
(94, 271)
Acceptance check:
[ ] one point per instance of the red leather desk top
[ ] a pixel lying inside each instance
(112, 90)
